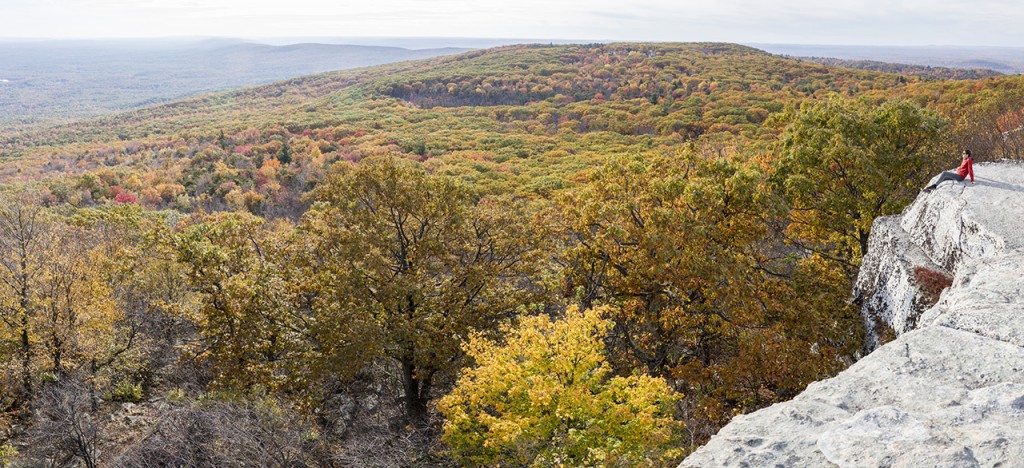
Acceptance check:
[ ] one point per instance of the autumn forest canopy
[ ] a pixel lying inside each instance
(536, 255)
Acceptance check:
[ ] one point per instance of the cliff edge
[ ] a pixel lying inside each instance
(949, 389)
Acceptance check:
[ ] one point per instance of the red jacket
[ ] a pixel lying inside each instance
(966, 168)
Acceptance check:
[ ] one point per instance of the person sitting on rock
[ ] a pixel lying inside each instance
(966, 169)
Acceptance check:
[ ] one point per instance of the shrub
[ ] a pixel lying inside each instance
(65, 432)
(7, 454)
(127, 391)
(176, 395)
(225, 432)
(930, 284)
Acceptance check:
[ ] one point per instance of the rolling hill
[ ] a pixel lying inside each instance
(42, 80)
(535, 113)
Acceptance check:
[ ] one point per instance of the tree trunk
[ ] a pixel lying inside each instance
(26, 343)
(416, 390)
(26, 363)
(864, 237)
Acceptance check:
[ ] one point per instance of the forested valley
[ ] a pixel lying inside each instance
(578, 255)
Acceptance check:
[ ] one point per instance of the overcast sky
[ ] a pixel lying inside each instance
(865, 22)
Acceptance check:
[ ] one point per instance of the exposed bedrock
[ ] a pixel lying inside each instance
(947, 278)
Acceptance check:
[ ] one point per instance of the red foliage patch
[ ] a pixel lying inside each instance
(125, 197)
(931, 283)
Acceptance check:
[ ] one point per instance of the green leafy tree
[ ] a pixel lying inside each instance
(423, 258)
(704, 292)
(842, 163)
(547, 397)
(247, 326)
(670, 241)
(284, 155)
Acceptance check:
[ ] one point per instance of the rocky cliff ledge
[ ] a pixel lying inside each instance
(949, 389)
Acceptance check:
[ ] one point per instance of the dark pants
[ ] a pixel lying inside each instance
(947, 176)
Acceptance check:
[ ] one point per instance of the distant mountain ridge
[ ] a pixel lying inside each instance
(75, 79)
(1007, 60)
(53, 80)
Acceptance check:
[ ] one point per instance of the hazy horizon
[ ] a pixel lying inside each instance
(993, 23)
(432, 42)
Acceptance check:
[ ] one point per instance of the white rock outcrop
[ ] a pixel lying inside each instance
(949, 390)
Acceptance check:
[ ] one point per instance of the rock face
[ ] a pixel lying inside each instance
(949, 390)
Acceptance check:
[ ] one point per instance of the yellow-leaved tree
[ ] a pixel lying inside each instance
(58, 314)
(548, 397)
